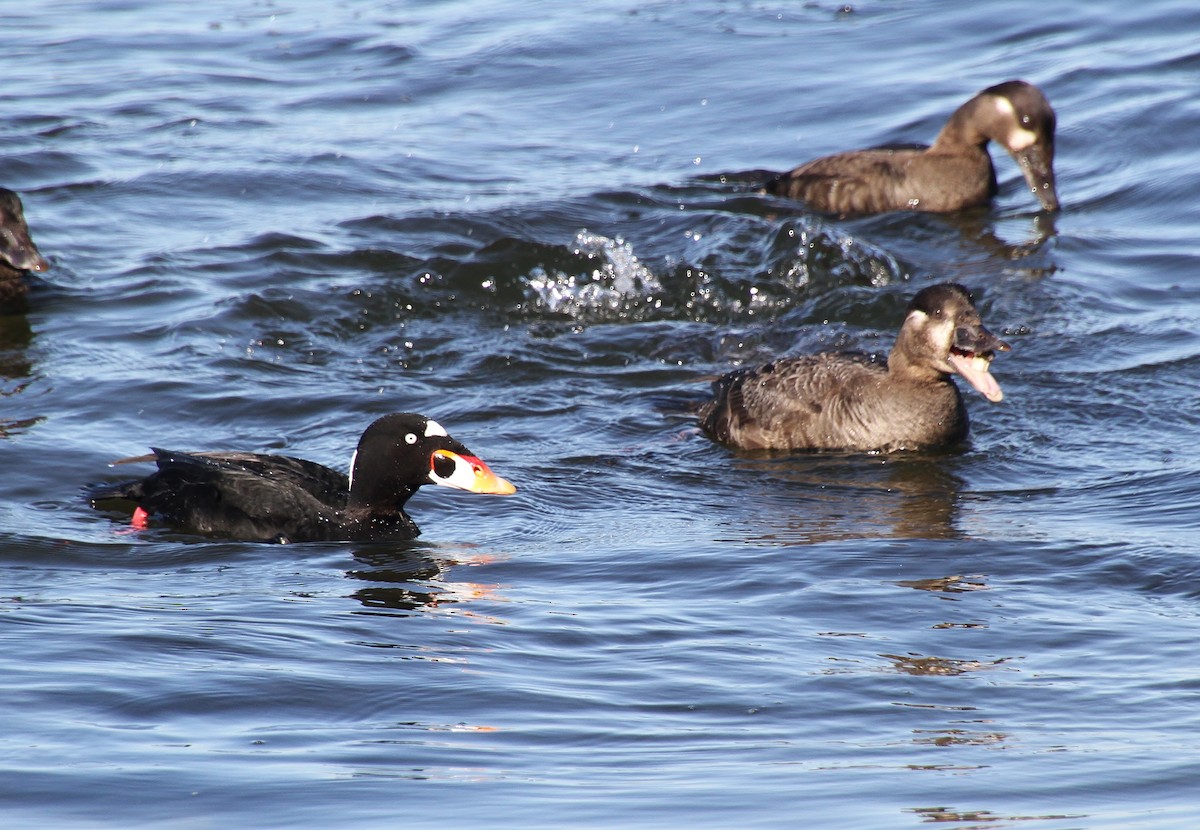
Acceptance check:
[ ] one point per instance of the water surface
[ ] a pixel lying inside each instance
(272, 222)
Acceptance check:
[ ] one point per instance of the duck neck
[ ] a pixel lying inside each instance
(905, 360)
(962, 129)
(377, 493)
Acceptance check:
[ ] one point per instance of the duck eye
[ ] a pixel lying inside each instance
(410, 438)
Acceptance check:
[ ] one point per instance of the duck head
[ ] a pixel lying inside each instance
(1018, 117)
(401, 452)
(16, 245)
(943, 332)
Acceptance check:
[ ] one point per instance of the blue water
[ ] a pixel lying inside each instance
(270, 222)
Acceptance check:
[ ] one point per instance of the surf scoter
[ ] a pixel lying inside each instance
(843, 401)
(275, 498)
(955, 173)
(18, 254)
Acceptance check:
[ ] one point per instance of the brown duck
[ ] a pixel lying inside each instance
(848, 402)
(955, 173)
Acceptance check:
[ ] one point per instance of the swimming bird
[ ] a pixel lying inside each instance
(848, 402)
(275, 498)
(955, 173)
(18, 254)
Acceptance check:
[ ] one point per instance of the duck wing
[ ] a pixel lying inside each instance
(859, 182)
(242, 495)
(808, 402)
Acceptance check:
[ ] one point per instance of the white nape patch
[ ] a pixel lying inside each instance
(433, 428)
(1005, 107)
(353, 458)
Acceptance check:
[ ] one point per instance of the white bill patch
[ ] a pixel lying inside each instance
(433, 428)
(462, 477)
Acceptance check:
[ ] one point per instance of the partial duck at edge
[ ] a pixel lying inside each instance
(18, 254)
(954, 173)
(837, 401)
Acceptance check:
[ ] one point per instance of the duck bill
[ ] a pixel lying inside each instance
(972, 356)
(1037, 164)
(466, 472)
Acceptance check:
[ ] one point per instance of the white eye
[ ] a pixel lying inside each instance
(410, 438)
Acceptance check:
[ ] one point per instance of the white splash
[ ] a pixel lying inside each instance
(618, 283)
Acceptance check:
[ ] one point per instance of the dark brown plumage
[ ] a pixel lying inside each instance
(275, 498)
(18, 254)
(956, 172)
(847, 402)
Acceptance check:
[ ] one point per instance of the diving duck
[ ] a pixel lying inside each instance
(955, 173)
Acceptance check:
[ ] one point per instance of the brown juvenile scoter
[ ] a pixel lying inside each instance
(955, 173)
(276, 498)
(846, 402)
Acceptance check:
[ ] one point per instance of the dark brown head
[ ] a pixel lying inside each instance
(1016, 115)
(942, 332)
(16, 246)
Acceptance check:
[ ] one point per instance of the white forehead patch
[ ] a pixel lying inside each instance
(433, 428)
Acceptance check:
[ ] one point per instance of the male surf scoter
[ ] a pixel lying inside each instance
(18, 254)
(275, 498)
(955, 173)
(843, 401)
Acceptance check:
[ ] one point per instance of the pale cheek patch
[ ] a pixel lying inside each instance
(433, 428)
(1019, 139)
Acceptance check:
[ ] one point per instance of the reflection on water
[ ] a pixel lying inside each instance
(814, 498)
(983, 817)
(16, 370)
(947, 584)
(411, 580)
(921, 665)
(958, 737)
